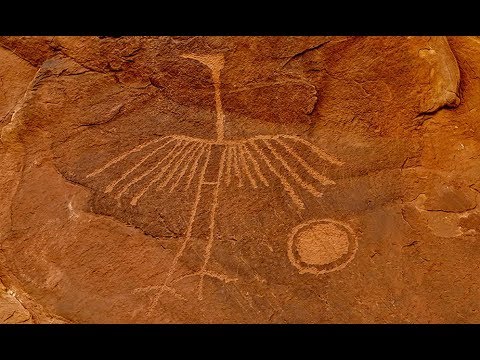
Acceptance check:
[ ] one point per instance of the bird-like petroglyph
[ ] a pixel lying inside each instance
(173, 163)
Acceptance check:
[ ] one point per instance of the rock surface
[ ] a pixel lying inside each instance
(239, 179)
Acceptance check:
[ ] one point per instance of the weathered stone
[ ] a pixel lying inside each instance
(240, 179)
(11, 310)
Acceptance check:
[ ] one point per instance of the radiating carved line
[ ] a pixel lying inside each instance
(186, 153)
(312, 147)
(188, 234)
(112, 185)
(255, 165)
(236, 166)
(124, 155)
(229, 160)
(171, 157)
(194, 169)
(324, 180)
(298, 179)
(146, 173)
(286, 185)
(244, 165)
(198, 152)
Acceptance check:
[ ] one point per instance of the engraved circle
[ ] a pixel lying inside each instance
(321, 246)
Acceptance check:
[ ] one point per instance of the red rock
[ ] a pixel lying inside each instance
(341, 184)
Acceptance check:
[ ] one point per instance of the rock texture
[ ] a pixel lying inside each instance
(239, 179)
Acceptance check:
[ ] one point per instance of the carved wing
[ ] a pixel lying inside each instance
(170, 163)
(288, 159)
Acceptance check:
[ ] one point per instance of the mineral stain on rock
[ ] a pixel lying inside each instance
(239, 179)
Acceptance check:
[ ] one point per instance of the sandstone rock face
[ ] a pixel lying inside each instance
(239, 179)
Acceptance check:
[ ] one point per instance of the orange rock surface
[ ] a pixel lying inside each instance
(239, 179)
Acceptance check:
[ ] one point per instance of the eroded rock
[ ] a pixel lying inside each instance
(241, 179)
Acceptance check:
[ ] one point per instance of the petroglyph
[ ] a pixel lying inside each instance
(321, 246)
(173, 162)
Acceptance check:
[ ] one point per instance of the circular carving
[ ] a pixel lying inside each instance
(321, 246)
